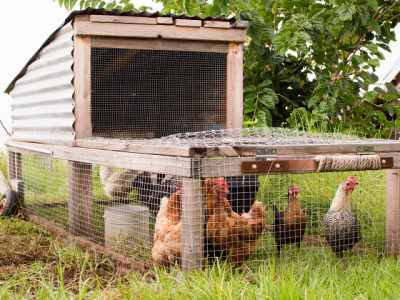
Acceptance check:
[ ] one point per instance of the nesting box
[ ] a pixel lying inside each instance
(130, 75)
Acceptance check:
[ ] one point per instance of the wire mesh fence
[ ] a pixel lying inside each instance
(249, 219)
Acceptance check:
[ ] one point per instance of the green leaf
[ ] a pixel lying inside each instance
(102, 4)
(265, 83)
(128, 7)
(81, 4)
(72, 4)
(268, 101)
(390, 97)
(111, 5)
(250, 88)
(271, 93)
(249, 106)
(374, 62)
(60, 2)
(389, 108)
(380, 90)
(345, 11)
(250, 96)
(87, 3)
(322, 106)
(305, 36)
(372, 47)
(391, 88)
(255, 32)
(95, 3)
(264, 118)
(375, 26)
(312, 101)
(373, 4)
(370, 96)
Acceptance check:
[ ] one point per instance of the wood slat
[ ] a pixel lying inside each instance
(392, 227)
(173, 165)
(157, 31)
(165, 20)
(217, 24)
(187, 23)
(241, 24)
(122, 19)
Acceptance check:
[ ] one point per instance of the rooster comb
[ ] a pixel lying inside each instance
(352, 178)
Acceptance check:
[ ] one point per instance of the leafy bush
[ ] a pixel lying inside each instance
(316, 55)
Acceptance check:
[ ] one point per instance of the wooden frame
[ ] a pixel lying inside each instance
(82, 95)
(84, 28)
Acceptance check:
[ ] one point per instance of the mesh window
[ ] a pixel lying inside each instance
(139, 93)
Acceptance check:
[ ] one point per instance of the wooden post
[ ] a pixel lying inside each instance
(234, 109)
(82, 86)
(11, 166)
(80, 199)
(393, 212)
(192, 241)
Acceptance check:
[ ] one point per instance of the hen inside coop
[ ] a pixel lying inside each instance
(151, 89)
(292, 208)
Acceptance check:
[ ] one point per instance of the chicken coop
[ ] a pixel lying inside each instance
(127, 133)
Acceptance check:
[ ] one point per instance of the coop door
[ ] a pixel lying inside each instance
(154, 88)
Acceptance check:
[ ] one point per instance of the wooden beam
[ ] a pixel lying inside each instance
(145, 149)
(235, 86)
(157, 31)
(82, 86)
(348, 148)
(187, 23)
(122, 19)
(173, 165)
(80, 199)
(393, 212)
(159, 44)
(192, 220)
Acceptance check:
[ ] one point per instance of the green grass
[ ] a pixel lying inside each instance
(35, 265)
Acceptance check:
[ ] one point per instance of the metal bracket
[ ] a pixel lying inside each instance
(264, 154)
(362, 150)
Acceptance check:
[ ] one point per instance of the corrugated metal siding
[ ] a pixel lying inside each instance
(42, 100)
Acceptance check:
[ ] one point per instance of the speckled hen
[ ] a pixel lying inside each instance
(340, 225)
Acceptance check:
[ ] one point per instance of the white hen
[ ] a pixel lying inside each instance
(117, 185)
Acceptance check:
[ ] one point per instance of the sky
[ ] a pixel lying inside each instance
(25, 27)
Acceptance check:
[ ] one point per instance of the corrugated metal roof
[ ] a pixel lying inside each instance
(42, 100)
(93, 11)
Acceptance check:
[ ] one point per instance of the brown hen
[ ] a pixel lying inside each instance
(167, 236)
(237, 236)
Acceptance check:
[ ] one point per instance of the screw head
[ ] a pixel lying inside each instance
(277, 166)
(383, 161)
(254, 166)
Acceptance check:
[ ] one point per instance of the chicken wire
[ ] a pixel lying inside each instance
(151, 93)
(263, 136)
(167, 219)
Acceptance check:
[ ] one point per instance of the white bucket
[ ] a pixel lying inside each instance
(126, 224)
